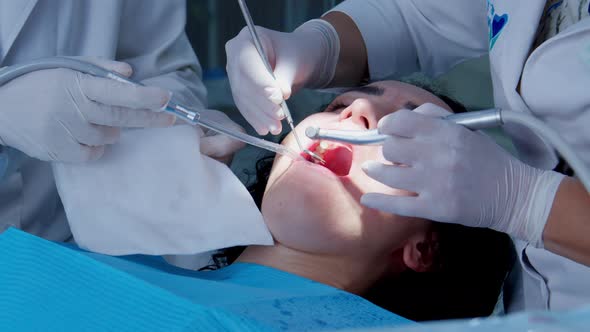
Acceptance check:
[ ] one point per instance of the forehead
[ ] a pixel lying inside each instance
(394, 94)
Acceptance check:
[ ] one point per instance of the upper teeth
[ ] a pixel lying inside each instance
(322, 147)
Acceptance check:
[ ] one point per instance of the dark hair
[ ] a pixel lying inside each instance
(471, 264)
(468, 282)
(453, 104)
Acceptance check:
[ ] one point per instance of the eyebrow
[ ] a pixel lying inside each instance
(368, 90)
(379, 91)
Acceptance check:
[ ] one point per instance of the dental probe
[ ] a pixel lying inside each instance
(260, 49)
(192, 117)
(488, 118)
(483, 119)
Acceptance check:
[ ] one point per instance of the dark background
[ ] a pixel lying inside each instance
(211, 23)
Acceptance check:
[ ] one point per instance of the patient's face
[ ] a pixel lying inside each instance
(317, 208)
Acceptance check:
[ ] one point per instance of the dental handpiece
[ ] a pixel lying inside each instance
(260, 50)
(190, 116)
(488, 118)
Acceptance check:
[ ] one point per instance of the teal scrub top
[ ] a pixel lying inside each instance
(49, 286)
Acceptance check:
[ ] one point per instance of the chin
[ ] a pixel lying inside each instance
(311, 210)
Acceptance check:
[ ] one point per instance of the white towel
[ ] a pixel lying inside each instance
(154, 193)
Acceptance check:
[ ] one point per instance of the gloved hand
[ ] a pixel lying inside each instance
(459, 176)
(218, 146)
(306, 57)
(64, 115)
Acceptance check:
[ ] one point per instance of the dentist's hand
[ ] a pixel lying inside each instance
(306, 57)
(64, 115)
(219, 147)
(459, 176)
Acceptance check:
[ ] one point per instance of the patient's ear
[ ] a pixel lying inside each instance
(420, 251)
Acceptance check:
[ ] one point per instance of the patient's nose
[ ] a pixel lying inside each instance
(361, 112)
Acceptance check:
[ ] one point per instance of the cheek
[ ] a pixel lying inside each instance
(307, 210)
(315, 216)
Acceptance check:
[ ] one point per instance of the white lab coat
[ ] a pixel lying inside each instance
(148, 34)
(432, 36)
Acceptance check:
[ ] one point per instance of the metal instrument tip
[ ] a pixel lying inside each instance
(315, 156)
(307, 151)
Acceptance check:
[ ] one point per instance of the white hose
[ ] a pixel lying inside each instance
(9, 73)
(554, 139)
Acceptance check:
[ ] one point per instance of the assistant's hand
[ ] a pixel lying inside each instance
(459, 176)
(64, 115)
(306, 57)
(220, 147)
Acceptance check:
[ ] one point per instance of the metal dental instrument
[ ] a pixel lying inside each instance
(193, 117)
(260, 49)
(200, 118)
(483, 119)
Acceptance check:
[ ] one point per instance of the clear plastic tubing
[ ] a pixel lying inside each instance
(248, 139)
(193, 117)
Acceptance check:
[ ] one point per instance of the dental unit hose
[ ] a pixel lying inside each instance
(193, 117)
(489, 118)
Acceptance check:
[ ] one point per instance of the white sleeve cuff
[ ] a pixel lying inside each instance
(541, 203)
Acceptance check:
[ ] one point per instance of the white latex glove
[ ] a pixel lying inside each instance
(306, 57)
(460, 176)
(64, 115)
(218, 146)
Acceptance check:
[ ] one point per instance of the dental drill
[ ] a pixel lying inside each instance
(473, 120)
(260, 50)
(190, 116)
(488, 118)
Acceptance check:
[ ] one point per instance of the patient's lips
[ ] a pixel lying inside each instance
(338, 156)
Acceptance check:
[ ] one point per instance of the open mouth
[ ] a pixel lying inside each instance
(338, 157)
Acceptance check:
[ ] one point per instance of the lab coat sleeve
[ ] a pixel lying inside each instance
(554, 85)
(154, 42)
(406, 36)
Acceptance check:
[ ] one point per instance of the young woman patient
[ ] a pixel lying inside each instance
(331, 253)
(321, 230)
(342, 249)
